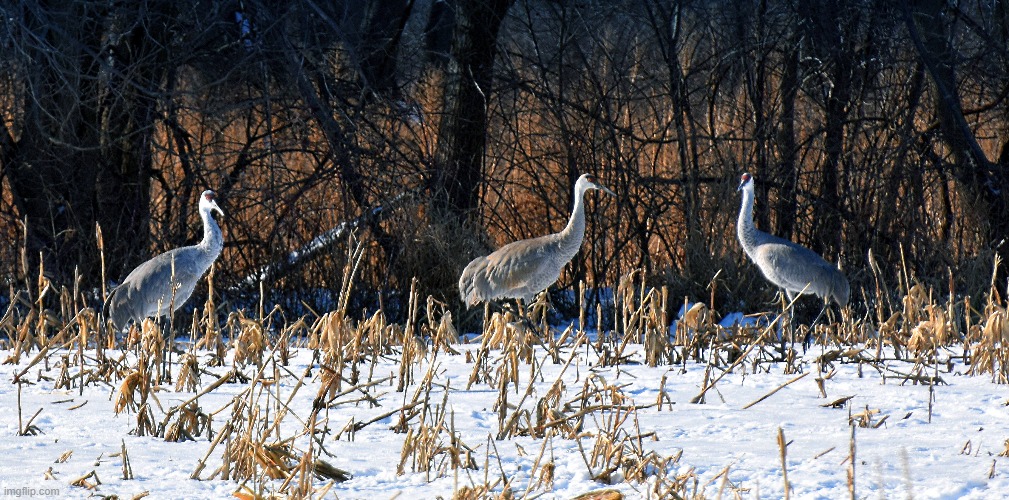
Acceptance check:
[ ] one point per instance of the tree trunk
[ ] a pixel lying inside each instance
(984, 182)
(787, 206)
(380, 45)
(832, 30)
(459, 156)
(750, 20)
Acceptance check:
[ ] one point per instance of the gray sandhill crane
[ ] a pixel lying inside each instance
(148, 290)
(523, 268)
(788, 265)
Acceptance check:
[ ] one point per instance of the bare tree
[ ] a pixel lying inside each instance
(462, 137)
(985, 182)
(78, 150)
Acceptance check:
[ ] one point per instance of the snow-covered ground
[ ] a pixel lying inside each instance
(720, 448)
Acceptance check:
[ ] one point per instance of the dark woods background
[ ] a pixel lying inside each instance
(434, 131)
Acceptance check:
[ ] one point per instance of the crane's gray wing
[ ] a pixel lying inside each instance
(514, 270)
(521, 268)
(796, 266)
(152, 283)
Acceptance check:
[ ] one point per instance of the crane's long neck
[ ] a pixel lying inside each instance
(745, 229)
(573, 233)
(213, 240)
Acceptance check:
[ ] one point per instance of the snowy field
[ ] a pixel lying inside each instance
(723, 448)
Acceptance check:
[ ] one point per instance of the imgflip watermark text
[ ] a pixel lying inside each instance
(29, 492)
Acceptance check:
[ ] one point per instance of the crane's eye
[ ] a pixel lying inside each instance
(745, 177)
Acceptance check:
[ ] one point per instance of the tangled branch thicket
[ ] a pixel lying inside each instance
(861, 132)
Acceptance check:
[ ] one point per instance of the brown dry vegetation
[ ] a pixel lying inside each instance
(273, 448)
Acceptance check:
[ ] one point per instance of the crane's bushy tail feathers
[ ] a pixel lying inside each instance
(105, 313)
(473, 282)
(830, 283)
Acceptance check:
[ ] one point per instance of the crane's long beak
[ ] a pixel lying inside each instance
(215, 207)
(605, 189)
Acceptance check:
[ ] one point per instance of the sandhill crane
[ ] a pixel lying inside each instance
(148, 290)
(788, 265)
(524, 268)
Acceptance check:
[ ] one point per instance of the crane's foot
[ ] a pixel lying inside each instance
(539, 308)
(807, 341)
(516, 315)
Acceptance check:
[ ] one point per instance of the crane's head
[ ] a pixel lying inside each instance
(208, 202)
(745, 181)
(588, 181)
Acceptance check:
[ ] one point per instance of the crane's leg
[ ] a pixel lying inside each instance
(541, 306)
(789, 328)
(486, 317)
(826, 305)
(168, 347)
(522, 316)
(812, 326)
(526, 313)
(513, 307)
